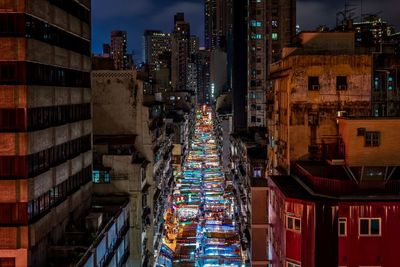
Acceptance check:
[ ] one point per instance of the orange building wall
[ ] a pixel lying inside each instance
(386, 154)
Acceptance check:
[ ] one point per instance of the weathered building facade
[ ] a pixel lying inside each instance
(132, 155)
(312, 86)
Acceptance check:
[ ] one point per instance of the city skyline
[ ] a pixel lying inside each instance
(147, 14)
(274, 145)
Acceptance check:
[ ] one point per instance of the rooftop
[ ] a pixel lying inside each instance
(341, 182)
(290, 187)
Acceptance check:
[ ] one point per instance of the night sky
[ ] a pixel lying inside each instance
(135, 16)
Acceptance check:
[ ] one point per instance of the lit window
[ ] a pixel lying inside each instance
(255, 23)
(342, 227)
(274, 24)
(256, 36)
(96, 177)
(372, 139)
(274, 36)
(293, 223)
(257, 172)
(369, 227)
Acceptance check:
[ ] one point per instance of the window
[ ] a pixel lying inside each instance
(313, 119)
(73, 8)
(57, 194)
(293, 223)
(372, 139)
(292, 264)
(257, 172)
(38, 74)
(341, 83)
(297, 118)
(256, 36)
(313, 83)
(377, 83)
(369, 227)
(96, 177)
(342, 227)
(7, 262)
(274, 24)
(274, 36)
(256, 23)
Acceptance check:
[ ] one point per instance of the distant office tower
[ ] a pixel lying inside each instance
(119, 49)
(180, 53)
(45, 126)
(156, 45)
(217, 22)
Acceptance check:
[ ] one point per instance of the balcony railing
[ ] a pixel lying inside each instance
(113, 238)
(329, 186)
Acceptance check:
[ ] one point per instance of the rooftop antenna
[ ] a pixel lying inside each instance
(345, 15)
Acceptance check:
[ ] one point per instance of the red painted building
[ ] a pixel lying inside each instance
(344, 211)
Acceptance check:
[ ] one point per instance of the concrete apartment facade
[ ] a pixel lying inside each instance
(132, 155)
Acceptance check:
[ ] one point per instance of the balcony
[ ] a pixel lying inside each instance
(332, 152)
(100, 242)
(110, 242)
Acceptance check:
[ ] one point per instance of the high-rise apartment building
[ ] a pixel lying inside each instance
(203, 77)
(180, 53)
(119, 47)
(194, 45)
(271, 26)
(45, 125)
(156, 46)
(238, 72)
(217, 23)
